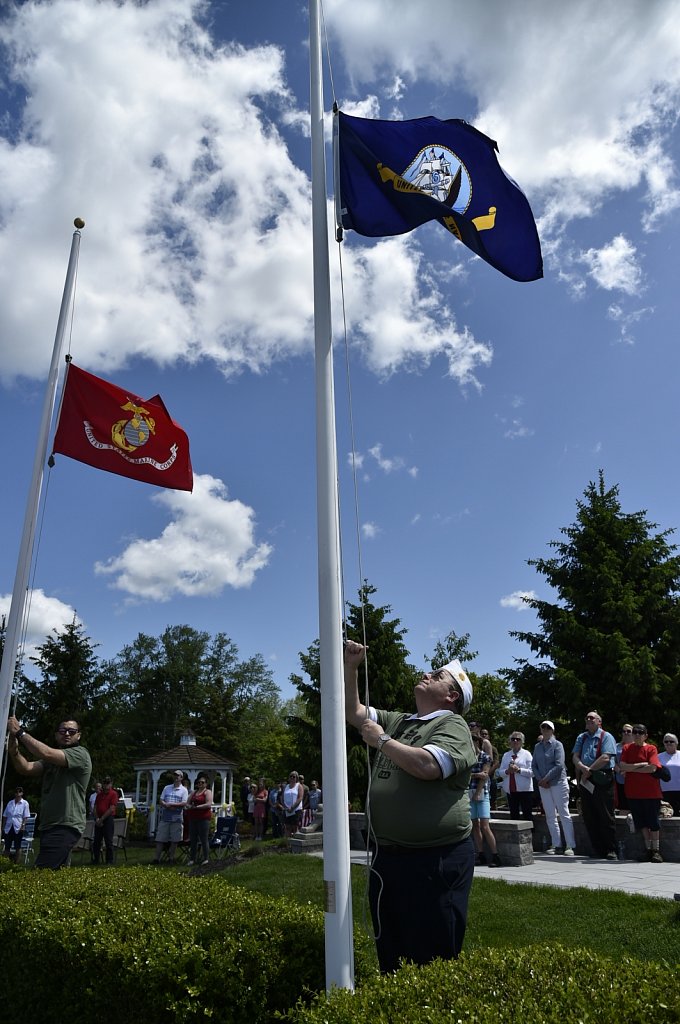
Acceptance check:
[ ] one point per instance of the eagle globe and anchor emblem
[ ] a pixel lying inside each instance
(133, 433)
(439, 173)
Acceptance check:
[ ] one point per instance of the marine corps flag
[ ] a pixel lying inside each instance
(392, 176)
(117, 431)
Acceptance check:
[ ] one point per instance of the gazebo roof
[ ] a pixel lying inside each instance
(185, 756)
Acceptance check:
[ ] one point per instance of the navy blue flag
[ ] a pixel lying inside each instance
(396, 175)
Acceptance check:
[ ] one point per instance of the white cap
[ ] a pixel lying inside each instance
(456, 670)
(549, 724)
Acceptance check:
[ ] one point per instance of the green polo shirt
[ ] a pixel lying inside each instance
(418, 812)
(63, 791)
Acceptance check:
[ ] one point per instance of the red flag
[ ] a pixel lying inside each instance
(115, 430)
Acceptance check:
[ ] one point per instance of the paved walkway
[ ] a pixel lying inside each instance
(658, 880)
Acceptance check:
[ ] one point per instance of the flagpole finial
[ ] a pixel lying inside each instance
(79, 223)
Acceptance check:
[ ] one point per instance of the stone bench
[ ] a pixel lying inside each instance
(514, 840)
(630, 845)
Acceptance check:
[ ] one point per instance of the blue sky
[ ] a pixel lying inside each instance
(482, 407)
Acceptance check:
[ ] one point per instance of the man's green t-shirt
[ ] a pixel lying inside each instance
(63, 791)
(417, 812)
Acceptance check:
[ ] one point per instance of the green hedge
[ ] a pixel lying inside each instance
(153, 947)
(529, 985)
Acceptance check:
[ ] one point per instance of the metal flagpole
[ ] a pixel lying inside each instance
(19, 593)
(336, 860)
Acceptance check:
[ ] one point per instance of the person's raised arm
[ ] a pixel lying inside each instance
(355, 711)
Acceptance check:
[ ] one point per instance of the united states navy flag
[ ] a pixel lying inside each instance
(392, 176)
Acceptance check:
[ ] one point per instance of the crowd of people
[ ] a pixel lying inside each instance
(284, 807)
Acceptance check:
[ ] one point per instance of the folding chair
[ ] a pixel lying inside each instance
(26, 848)
(225, 836)
(120, 836)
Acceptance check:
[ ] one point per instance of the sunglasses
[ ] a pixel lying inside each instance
(626, 730)
(638, 732)
(591, 718)
(67, 732)
(670, 741)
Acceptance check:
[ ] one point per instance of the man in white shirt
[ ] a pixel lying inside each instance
(173, 801)
(15, 815)
(517, 775)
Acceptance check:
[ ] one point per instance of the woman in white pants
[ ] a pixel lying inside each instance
(551, 773)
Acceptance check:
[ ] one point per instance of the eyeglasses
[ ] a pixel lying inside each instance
(638, 732)
(68, 732)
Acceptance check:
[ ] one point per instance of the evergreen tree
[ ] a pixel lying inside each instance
(612, 639)
(387, 682)
(73, 685)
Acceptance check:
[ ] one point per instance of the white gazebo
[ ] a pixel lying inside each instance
(193, 761)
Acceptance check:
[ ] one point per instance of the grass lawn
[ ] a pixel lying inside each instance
(501, 914)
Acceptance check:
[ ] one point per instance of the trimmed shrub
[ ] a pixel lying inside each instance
(533, 984)
(144, 945)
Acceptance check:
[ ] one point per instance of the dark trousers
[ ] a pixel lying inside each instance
(621, 801)
(597, 809)
(419, 901)
(12, 838)
(103, 833)
(198, 832)
(520, 805)
(55, 847)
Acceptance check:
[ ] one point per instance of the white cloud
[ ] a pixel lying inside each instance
(208, 545)
(388, 465)
(400, 317)
(628, 320)
(45, 614)
(517, 600)
(615, 266)
(355, 460)
(370, 530)
(517, 429)
(137, 121)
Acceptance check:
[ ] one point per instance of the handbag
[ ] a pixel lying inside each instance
(602, 776)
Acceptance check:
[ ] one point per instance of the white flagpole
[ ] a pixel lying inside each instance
(336, 859)
(20, 591)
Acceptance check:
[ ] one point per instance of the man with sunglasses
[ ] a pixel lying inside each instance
(65, 771)
(593, 755)
(419, 814)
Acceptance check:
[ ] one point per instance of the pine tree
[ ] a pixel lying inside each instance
(612, 639)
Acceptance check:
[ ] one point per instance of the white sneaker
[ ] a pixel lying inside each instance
(203, 863)
(568, 852)
(550, 850)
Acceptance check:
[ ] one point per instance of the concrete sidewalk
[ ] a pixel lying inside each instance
(661, 881)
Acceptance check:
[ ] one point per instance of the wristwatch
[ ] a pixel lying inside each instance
(20, 733)
(382, 740)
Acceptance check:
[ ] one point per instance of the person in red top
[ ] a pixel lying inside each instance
(199, 813)
(104, 813)
(639, 761)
